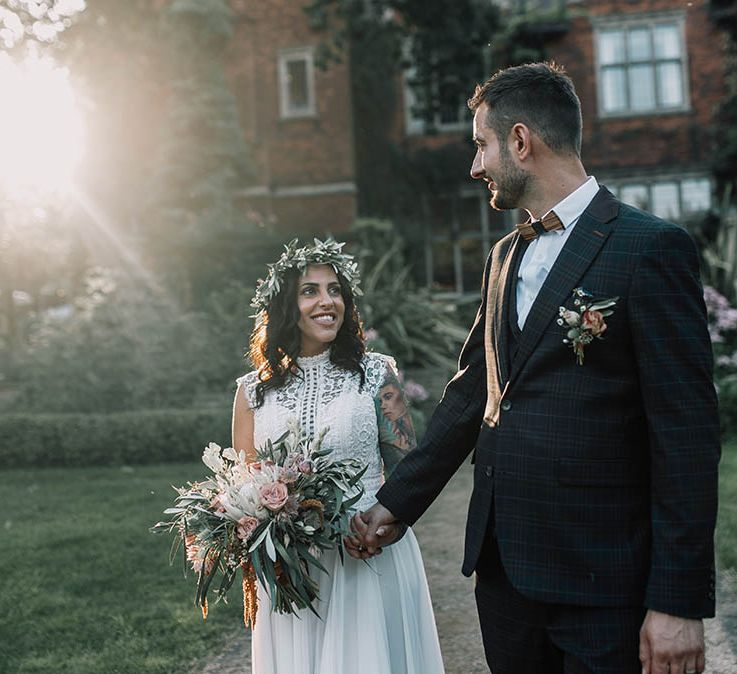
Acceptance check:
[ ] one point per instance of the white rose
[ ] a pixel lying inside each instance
(212, 459)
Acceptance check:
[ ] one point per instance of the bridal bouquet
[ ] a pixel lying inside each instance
(271, 519)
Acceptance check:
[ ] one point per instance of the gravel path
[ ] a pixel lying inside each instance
(440, 533)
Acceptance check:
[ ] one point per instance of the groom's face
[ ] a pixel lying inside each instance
(494, 164)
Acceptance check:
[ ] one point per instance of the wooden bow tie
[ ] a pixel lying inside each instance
(533, 228)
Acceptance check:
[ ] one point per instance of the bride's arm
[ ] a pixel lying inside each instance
(396, 439)
(242, 427)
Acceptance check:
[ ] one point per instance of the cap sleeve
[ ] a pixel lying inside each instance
(249, 382)
(376, 366)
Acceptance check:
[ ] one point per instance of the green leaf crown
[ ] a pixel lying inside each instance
(293, 257)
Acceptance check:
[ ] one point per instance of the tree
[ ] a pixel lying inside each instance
(725, 157)
(203, 159)
(40, 22)
(33, 255)
(444, 50)
(716, 232)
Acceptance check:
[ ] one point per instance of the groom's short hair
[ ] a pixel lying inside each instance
(539, 95)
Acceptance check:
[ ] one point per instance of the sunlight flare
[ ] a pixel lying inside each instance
(41, 130)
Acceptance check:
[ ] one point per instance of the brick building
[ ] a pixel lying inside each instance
(297, 119)
(649, 74)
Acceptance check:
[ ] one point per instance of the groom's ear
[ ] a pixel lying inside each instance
(520, 141)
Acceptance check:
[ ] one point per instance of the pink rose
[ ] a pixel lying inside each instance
(246, 526)
(594, 322)
(274, 495)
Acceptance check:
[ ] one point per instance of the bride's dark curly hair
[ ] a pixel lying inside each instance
(276, 339)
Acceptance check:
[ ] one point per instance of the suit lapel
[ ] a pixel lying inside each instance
(582, 247)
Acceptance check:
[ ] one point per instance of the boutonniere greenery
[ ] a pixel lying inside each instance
(586, 322)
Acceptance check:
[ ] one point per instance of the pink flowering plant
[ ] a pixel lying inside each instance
(271, 518)
(585, 322)
(722, 324)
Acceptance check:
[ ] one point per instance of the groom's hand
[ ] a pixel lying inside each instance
(671, 644)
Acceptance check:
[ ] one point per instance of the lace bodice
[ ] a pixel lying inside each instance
(325, 395)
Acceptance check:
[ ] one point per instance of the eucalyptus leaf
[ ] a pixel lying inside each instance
(270, 550)
(260, 538)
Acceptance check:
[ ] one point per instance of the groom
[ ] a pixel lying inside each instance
(585, 392)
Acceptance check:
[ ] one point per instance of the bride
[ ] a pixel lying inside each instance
(311, 364)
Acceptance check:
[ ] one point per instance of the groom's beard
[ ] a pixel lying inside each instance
(511, 183)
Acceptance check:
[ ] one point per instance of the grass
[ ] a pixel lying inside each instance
(84, 586)
(726, 535)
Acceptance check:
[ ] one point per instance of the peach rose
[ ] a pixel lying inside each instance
(274, 495)
(594, 322)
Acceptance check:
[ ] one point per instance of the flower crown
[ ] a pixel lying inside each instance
(322, 252)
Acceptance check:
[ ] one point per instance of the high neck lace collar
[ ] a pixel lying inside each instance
(307, 362)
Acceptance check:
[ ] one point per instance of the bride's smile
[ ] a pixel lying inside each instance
(321, 308)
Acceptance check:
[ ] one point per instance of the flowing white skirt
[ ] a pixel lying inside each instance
(375, 618)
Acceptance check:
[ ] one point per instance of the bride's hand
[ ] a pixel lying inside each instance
(354, 544)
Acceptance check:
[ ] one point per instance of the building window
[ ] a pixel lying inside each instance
(297, 83)
(641, 67)
(449, 108)
(668, 198)
(462, 229)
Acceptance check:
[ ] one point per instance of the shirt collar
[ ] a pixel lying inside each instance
(569, 210)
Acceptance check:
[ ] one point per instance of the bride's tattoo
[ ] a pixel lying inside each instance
(396, 433)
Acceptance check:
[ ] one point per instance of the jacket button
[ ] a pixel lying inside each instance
(506, 405)
(489, 471)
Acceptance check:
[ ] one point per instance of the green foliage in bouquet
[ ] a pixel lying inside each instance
(272, 518)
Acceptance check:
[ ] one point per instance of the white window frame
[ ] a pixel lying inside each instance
(650, 21)
(650, 180)
(306, 54)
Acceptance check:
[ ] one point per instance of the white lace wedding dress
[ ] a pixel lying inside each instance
(375, 616)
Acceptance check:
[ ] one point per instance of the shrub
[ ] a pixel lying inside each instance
(414, 327)
(124, 347)
(723, 333)
(67, 440)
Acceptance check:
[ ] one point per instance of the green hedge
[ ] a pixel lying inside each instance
(45, 440)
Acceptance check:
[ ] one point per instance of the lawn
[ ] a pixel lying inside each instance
(85, 587)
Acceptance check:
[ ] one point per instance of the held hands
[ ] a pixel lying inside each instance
(671, 644)
(372, 530)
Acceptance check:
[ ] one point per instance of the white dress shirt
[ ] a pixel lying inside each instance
(543, 251)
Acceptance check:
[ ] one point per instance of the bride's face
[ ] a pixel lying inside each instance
(321, 308)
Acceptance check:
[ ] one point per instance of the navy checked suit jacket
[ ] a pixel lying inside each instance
(599, 480)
